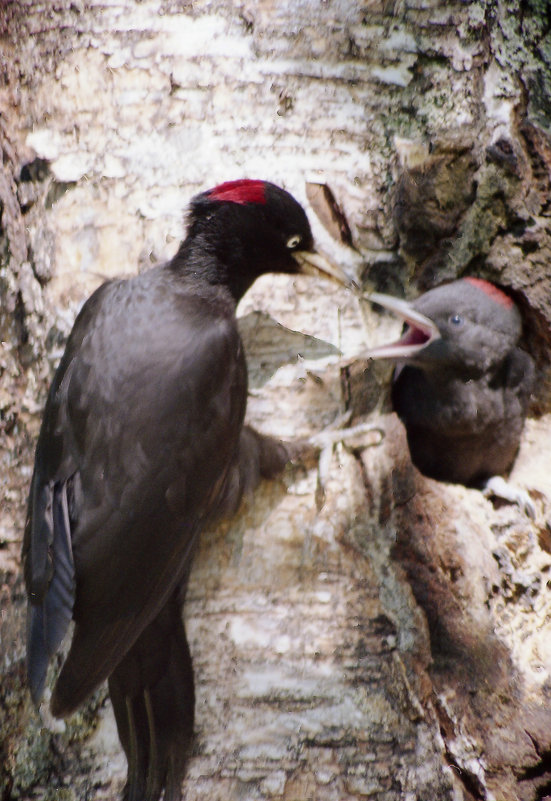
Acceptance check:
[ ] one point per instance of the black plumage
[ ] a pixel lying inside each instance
(462, 384)
(142, 444)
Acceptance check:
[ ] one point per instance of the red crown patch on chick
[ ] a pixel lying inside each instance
(491, 290)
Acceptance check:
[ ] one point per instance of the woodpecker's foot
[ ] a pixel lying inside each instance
(498, 486)
(336, 432)
(319, 448)
(306, 452)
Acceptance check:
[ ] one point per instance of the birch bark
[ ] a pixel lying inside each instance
(394, 643)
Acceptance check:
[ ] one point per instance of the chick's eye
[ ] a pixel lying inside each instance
(293, 242)
(456, 320)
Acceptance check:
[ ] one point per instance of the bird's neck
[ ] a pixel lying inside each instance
(442, 373)
(207, 262)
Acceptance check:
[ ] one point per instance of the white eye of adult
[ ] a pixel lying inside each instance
(293, 242)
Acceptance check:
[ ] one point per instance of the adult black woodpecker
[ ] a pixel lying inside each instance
(462, 384)
(142, 444)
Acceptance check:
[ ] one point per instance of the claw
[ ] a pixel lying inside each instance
(500, 488)
(336, 432)
(324, 441)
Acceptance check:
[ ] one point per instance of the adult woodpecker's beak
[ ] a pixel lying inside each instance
(419, 333)
(313, 263)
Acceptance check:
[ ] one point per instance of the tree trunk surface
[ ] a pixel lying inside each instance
(357, 631)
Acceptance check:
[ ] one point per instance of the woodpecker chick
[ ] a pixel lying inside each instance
(462, 384)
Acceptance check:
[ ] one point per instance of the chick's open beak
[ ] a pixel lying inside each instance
(312, 263)
(420, 330)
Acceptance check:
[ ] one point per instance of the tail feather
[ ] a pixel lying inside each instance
(153, 698)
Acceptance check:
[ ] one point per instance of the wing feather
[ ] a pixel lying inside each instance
(144, 419)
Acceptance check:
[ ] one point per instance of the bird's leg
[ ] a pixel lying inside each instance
(500, 488)
(309, 450)
(338, 432)
(319, 447)
(262, 456)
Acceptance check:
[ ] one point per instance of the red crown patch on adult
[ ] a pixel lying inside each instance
(242, 191)
(492, 291)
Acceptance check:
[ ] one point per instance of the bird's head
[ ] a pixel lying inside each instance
(468, 325)
(243, 229)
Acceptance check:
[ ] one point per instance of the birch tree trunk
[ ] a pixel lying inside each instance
(390, 637)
